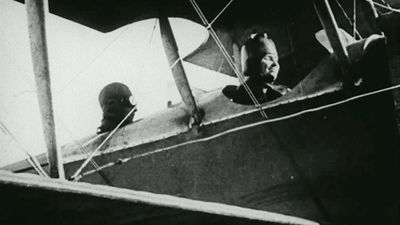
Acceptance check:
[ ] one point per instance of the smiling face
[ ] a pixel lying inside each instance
(262, 58)
(269, 65)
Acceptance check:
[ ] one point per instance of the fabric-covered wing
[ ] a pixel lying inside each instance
(30, 199)
(106, 16)
(234, 25)
(291, 24)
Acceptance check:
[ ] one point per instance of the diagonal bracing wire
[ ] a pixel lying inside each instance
(227, 56)
(81, 146)
(84, 164)
(95, 58)
(78, 175)
(92, 161)
(31, 159)
(355, 31)
(220, 13)
(89, 159)
(385, 6)
(247, 126)
(352, 23)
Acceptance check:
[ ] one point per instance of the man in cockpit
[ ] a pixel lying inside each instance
(260, 65)
(116, 102)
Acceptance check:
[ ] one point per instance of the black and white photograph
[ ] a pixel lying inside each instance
(236, 112)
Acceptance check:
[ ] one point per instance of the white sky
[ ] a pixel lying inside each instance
(82, 61)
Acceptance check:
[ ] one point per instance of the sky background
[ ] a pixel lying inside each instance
(82, 61)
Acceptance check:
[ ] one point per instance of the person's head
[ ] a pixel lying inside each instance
(116, 94)
(116, 101)
(262, 57)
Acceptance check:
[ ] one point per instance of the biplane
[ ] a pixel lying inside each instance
(327, 151)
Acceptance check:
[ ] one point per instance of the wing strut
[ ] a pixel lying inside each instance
(37, 35)
(175, 63)
(331, 28)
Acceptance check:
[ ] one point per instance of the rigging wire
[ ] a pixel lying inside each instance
(217, 40)
(233, 66)
(198, 10)
(6, 49)
(92, 161)
(220, 13)
(355, 31)
(31, 159)
(230, 62)
(79, 170)
(174, 63)
(77, 174)
(101, 53)
(81, 146)
(228, 58)
(147, 49)
(352, 23)
(91, 140)
(86, 151)
(118, 126)
(384, 6)
(232, 130)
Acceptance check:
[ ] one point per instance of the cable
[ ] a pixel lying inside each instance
(227, 57)
(101, 145)
(113, 131)
(384, 6)
(220, 13)
(31, 159)
(117, 127)
(355, 31)
(95, 58)
(147, 49)
(81, 146)
(233, 66)
(176, 62)
(289, 116)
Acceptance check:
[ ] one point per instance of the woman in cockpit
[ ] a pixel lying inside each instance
(260, 65)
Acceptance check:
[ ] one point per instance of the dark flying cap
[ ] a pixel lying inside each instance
(115, 90)
(260, 45)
